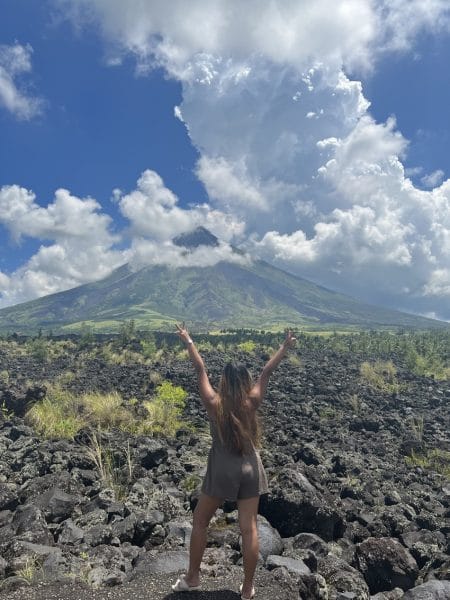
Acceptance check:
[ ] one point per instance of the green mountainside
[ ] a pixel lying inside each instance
(257, 295)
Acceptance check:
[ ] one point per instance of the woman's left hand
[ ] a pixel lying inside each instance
(290, 339)
(183, 333)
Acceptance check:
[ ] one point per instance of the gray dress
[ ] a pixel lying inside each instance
(230, 475)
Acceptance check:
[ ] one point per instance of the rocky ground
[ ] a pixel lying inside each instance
(345, 518)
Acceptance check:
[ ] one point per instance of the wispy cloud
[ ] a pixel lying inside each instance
(15, 61)
(433, 179)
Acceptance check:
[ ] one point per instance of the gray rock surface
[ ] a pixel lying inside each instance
(431, 590)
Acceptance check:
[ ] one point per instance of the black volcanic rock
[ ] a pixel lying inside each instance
(386, 564)
(349, 505)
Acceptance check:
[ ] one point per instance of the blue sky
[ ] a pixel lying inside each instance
(153, 121)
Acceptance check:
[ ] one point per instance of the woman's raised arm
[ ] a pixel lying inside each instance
(207, 393)
(259, 389)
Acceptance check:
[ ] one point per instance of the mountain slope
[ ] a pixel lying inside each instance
(225, 295)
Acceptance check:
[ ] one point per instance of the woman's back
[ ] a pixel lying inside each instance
(232, 474)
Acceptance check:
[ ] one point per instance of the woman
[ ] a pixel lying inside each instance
(234, 471)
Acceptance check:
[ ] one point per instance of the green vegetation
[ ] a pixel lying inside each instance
(326, 413)
(434, 460)
(61, 414)
(4, 377)
(424, 353)
(381, 375)
(115, 471)
(190, 483)
(127, 332)
(164, 411)
(7, 414)
(32, 570)
(105, 411)
(114, 355)
(87, 337)
(356, 404)
(58, 415)
(428, 364)
(38, 349)
(248, 346)
(417, 427)
(149, 348)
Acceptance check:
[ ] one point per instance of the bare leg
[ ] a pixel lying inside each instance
(248, 511)
(205, 509)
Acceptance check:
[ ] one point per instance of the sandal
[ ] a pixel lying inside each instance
(252, 595)
(182, 586)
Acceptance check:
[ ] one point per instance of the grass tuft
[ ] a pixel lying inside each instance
(381, 375)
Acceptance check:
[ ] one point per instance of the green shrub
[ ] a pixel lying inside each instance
(112, 472)
(7, 414)
(38, 349)
(294, 359)
(190, 483)
(65, 378)
(248, 346)
(164, 411)
(127, 332)
(121, 356)
(428, 365)
(355, 402)
(434, 460)
(327, 412)
(87, 337)
(105, 410)
(57, 415)
(32, 569)
(4, 377)
(149, 348)
(416, 424)
(61, 414)
(381, 375)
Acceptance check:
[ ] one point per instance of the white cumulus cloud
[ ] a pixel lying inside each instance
(78, 243)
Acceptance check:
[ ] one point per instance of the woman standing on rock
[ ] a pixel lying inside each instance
(234, 471)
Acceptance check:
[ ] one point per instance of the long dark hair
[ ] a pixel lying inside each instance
(238, 425)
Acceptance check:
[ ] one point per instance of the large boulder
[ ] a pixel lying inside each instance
(293, 565)
(56, 505)
(386, 564)
(69, 533)
(294, 506)
(431, 590)
(151, 454)
(311, 541)
(30, 525)
(164, 562)
(270, 541)
(21, 553)
(8, 496)
(342, 578)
